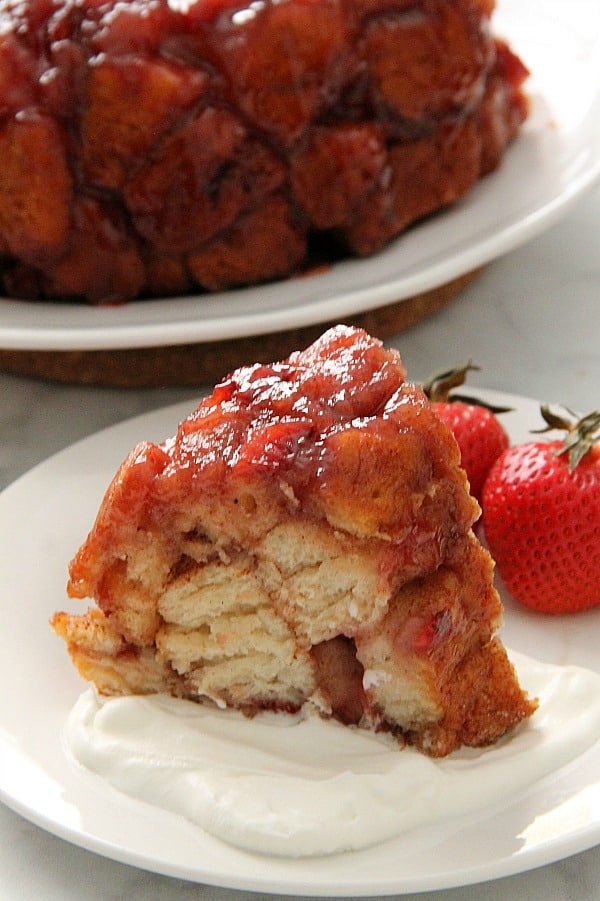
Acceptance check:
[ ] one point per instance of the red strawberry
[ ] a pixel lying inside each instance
(541, 516)
(479, 434)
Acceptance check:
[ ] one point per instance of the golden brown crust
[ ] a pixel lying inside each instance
(481, 704)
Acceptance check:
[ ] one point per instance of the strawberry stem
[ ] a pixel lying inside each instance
(438, 387)
(582, 432)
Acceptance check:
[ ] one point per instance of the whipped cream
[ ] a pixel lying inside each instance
(302, 786)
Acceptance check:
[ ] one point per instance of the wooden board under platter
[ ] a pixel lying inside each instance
(205, 363)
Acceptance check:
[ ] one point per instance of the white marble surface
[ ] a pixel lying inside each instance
(531, 320)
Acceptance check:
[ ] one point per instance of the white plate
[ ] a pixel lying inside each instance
(554, 160)
(43, 518)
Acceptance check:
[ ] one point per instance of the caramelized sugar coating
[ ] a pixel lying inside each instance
(218, 141)
(305, 537)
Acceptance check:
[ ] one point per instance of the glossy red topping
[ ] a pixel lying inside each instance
(333, 433)
(297, 419)
(261, 415)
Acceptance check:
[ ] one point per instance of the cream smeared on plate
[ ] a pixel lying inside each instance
(302, 786)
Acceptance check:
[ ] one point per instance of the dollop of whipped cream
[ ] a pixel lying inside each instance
(303, 786)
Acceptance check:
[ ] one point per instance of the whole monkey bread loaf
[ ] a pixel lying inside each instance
(160, 147)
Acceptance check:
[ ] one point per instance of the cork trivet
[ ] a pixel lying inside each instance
(204, 364)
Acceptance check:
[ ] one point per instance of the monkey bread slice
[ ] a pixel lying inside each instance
(303, 540)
